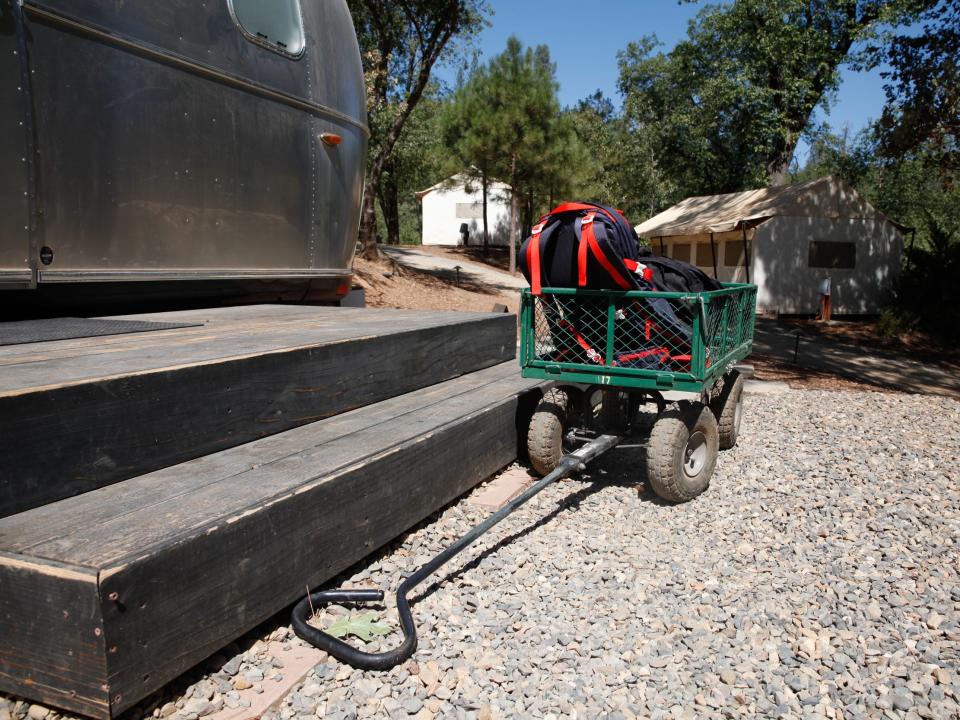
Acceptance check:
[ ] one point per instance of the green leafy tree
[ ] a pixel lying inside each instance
(922, 114)
(400, 43)
(727, 106)
(621, 167)
(506, 123)
(470, 134)
(418, 157)
(851, 157)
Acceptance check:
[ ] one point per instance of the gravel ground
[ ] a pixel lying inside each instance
(817, 577)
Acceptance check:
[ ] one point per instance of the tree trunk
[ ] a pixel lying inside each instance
(528, 219)
(514, 212)
(390, 207)
(486, 232)
(368, 224)
(778, 169)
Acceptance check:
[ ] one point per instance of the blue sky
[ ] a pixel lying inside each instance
(584, 47)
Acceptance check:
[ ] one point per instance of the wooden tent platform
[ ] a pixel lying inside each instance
(110, 594)
(76, 415)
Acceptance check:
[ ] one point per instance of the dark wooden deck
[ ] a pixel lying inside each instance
(76, 415)
(270, 449)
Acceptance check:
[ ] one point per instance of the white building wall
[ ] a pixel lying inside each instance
(445, 209)
(788, 285)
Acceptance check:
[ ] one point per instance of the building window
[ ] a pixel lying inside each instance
(733, 253)
(705, 256)
(832, 255)
(275, 24)
(681, 251)
(470, 211)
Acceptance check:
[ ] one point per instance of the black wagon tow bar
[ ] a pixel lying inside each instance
(568, 464)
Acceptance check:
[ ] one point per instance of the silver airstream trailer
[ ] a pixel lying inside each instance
(182, 144)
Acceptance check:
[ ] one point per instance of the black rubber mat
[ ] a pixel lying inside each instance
(34, 331)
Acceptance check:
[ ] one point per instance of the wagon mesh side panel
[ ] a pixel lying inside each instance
(637, 339)
(728, 327)
(653, 333)
(570, 329)
(624, 331)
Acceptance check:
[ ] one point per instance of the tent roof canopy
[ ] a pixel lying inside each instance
(826, 197)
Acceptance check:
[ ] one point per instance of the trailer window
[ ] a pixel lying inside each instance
(834, 255)
(275, 24)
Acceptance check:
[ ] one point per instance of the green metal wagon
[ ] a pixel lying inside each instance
(607, 353)
(610, 352)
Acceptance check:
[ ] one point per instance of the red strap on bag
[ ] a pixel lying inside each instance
(663, 352)
(586, 235)
(533, 259)
(581, 341)
(611, 270)
(573, 206)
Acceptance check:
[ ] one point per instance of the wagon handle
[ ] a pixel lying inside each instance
(568, 464)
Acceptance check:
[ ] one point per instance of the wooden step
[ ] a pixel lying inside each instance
(76, 415)
(110, 594)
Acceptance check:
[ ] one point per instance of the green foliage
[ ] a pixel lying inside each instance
(400, 43)
(894, 321)
(621, 166)
(923, 89)
(725, 107)
(361, 626)
(851, 158)
(419, 157)
(505, 122)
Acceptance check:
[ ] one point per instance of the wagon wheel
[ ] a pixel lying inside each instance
(682, 452)
(728, 409)
(547, 428)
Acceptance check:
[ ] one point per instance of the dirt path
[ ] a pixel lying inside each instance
(389, 284)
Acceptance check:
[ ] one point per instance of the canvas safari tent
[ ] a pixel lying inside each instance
(788, 240)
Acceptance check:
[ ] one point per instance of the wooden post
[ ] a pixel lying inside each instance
(713, 251)
(746, 252)
(662, 251)
(826, 306)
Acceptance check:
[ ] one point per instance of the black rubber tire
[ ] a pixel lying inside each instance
(727, 407)
(666, 453)
(545, 436)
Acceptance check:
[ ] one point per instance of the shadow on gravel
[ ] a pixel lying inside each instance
(622, 467)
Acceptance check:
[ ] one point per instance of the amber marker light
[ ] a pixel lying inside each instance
(331, 139)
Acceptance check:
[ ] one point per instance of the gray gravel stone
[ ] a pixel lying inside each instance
(809, 581)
